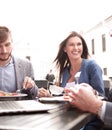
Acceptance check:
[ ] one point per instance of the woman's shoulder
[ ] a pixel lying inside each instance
(91, 65)
(90, 62)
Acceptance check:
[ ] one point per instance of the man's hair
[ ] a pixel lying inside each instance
(4, 33)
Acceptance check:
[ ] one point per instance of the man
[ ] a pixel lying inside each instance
(50, 77)
(84, 97)
(15, 73)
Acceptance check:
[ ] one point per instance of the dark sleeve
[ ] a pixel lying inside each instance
(108, 115)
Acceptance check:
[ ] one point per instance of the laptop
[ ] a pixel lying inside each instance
(24, 106)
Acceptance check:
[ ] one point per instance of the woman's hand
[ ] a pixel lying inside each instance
(43, 93)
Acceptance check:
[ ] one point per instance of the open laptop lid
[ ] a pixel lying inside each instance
(23, 106)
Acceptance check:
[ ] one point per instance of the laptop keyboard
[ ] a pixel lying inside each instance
(24, 106)
(9, 105)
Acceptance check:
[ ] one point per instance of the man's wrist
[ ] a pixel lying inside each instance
(101, 110)
(96, 106)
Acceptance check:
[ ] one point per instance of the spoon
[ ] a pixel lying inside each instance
(76, 77)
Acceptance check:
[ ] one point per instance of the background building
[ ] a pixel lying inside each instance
(99, 40)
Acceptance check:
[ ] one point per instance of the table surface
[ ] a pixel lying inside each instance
(62, 117)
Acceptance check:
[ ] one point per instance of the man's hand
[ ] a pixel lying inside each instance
(28, 83)
(83, 97)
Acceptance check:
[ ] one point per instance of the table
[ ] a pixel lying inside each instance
(64, 117)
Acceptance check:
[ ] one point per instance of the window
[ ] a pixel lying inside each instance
(103, 43)
(105, 71)
(93, 47)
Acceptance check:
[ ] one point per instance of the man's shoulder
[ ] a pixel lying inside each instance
(23, 60)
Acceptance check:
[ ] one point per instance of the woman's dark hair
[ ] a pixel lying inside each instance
(62, 60)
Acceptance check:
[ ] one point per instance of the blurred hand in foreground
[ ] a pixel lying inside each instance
(83, 97)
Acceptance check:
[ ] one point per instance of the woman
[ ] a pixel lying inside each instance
(72, 58)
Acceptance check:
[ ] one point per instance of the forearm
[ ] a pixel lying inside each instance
(108, 114)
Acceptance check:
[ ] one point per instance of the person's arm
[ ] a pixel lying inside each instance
(42, 92)
(29, 83)
(108, 114)
(83, 97)
(105, 113)
(101, 111)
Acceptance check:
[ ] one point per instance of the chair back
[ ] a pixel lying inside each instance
(42, 83)
(106, 87)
